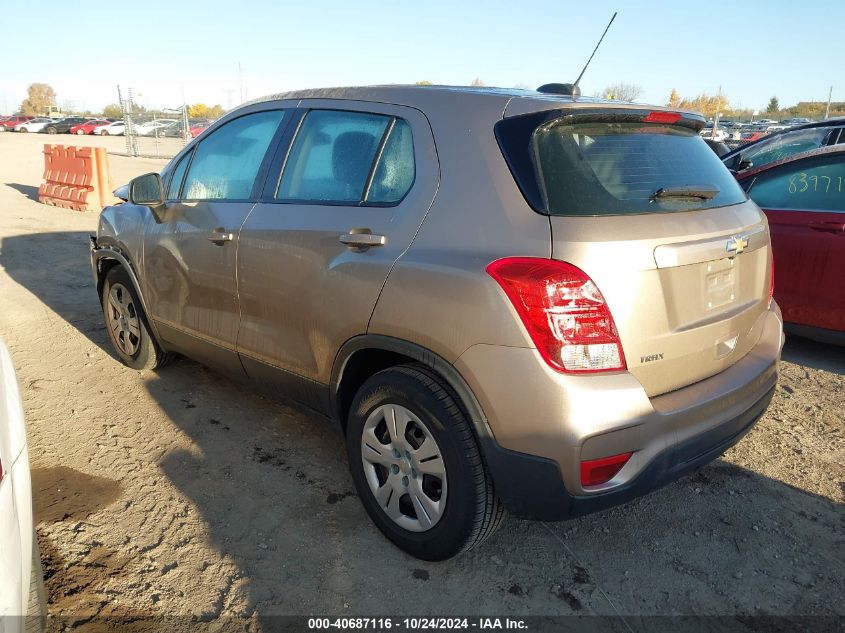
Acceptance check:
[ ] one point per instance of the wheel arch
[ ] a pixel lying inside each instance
(524, 483)
(103, 259)
(362, 356)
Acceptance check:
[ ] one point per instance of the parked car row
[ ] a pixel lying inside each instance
(100, 126)
(738, 132)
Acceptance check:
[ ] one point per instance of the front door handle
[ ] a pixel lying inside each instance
(220, 236)
(362, 238)
(828, 227)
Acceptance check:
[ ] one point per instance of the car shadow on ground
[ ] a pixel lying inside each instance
(27, 190)
(56, 267)
(803, 351)
(271, 484)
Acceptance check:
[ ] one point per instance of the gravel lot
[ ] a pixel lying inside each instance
(180, 492)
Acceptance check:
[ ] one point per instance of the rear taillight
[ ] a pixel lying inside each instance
(602, 470)
(771, 278)
(564, 312)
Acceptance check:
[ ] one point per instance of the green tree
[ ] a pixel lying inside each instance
(773, 106)
(477, 82)
(39, 96)
(424, 82)
(112, 111)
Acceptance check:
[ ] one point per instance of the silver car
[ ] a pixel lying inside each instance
(509, 300)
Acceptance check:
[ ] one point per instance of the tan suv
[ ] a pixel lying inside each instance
(508, 299)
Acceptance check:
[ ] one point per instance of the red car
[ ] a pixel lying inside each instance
(10, 122)
(803, 197)
(88, 126)
(198, 128)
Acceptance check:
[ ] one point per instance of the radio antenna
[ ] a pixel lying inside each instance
(575, 85)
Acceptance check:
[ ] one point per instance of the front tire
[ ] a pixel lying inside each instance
(104, 133)
(80, 132)
(416, 465)
(127, 324)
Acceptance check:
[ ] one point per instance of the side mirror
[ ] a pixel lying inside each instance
(122, 192)
(147, 190)
(744, 163)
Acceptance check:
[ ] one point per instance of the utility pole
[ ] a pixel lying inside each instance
(718, 114)
(241, 82)
(827, 110)
(186, 128)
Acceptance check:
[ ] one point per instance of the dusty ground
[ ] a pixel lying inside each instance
(179, 492)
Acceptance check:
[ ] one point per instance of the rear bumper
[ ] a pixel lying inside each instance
(532, 487)
(553, 423)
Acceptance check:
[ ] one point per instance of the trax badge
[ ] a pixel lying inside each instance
(651, 357)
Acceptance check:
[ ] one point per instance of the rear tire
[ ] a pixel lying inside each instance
(104, 133)
(80, 131)
(402, 475)
(51, 130)
(127, 324)
(36, 611)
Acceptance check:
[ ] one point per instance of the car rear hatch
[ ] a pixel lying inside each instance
(638, 201)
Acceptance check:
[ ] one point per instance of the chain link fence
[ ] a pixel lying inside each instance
(154, 134)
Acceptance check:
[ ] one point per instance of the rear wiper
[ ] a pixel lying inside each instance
(703, 192)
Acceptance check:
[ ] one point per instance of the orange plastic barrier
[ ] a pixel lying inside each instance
(76, 178)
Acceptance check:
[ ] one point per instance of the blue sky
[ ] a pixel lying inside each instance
(753, 49)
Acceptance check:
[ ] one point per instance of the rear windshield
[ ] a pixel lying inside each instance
(616, 165)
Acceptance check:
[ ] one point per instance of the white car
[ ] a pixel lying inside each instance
(112, 129)
(21, 577)
(720, 135)
(149, 128)
(33, 125)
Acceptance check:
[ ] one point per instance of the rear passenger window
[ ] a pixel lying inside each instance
(333, 155)
(226, 162)
(816, 184)
(395, 171)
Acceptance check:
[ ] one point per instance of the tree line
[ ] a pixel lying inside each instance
(41, 100)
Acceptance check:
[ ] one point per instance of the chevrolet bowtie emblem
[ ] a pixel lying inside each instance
(736, 244)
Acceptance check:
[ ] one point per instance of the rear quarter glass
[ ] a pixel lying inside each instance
(595, 164)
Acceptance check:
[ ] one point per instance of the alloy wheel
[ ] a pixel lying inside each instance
(123, 319)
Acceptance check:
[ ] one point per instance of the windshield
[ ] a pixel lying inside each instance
(785, 145)
(611, 167)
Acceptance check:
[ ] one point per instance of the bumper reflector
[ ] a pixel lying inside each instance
(601, 470)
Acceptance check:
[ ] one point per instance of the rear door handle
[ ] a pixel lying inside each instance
(362, 238)
(220, 236)
(828, 227)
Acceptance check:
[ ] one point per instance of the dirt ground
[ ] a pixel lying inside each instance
(179, 492)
